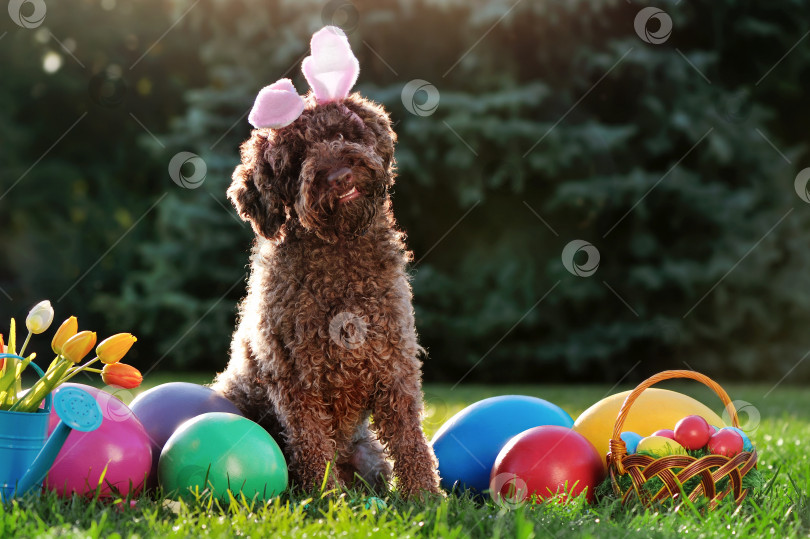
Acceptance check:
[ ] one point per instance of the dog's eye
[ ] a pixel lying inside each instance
(340, 136)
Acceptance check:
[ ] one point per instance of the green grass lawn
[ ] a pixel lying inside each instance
(782, 511)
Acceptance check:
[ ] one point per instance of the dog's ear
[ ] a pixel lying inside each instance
(386, 139)
(253, 191)
(377, 122)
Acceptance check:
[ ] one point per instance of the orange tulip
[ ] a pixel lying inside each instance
(79, 346)
(67, 330)
(122, 375)
(112, 349)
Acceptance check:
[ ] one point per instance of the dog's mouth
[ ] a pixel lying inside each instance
(351, 194)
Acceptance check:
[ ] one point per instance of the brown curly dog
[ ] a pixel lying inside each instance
(326, 335)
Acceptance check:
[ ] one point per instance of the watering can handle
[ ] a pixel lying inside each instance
(48, 398)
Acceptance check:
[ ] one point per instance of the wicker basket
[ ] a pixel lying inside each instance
(675, 470)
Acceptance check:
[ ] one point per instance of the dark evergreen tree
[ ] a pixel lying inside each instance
(555, 122)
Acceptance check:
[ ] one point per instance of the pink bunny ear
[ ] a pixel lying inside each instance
(276, 105)
(332, 69)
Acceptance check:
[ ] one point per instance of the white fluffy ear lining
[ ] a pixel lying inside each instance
(332, 68)
(276, 105)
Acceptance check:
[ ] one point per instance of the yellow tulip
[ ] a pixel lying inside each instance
(40, 317)
(79, 346)
(112, 349)
(67, 330)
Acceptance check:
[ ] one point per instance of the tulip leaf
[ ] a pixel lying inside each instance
(5, 382)
(40, 390)
(14, 390)
(12, 337)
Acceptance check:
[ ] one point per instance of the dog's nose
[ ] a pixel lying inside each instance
(340, 177)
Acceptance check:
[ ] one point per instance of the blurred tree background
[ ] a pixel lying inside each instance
(555, 122)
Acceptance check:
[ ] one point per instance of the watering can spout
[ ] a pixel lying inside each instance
(77, 410)
(39, 468)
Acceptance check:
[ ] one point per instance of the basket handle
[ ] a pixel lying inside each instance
(48, 398)
(617, 443)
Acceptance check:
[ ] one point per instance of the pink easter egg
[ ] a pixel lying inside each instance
(119, 449)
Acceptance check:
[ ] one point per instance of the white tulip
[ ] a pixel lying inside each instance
(40, 317)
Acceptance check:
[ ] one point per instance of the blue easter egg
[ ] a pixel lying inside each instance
(468, 443)
(631, 440)
(747, 445)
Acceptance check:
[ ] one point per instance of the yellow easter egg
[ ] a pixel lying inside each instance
(660, 446)
(653, 410)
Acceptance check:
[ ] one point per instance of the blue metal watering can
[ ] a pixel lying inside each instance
(25, 455)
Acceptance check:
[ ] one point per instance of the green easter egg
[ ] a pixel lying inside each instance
(222, 451)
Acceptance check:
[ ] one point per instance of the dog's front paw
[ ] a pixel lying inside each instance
(311, 479)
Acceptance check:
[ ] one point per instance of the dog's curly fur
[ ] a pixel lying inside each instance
(326, 335)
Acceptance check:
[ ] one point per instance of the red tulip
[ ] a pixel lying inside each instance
(122, 375)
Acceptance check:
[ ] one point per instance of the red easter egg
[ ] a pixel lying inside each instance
(725, 442)
(544, 461)
(693, 432)
(666, 433)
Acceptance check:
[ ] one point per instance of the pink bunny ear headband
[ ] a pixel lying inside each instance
(331, 71)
